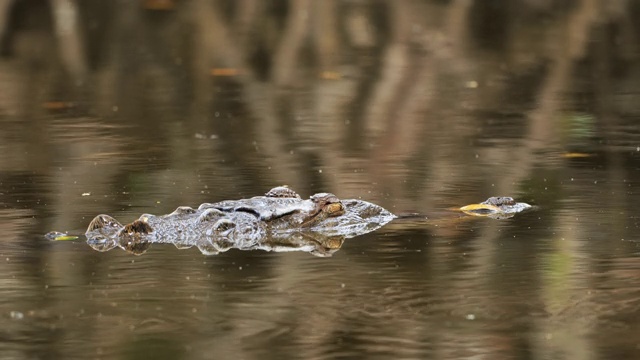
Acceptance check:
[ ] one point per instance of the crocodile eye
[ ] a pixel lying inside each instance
(334, 209)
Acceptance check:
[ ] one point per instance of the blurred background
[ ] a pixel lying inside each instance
(126, 107)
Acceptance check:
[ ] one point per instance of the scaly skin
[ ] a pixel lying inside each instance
(254, 222)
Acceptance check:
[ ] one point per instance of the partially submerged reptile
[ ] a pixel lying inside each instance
(278, 221)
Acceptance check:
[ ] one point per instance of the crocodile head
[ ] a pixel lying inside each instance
(351, 218)
(322, 213)
(282, 208)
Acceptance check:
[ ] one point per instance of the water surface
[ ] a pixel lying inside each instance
(417, 106)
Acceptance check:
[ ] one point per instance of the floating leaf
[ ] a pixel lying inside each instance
(480, 209)
(330, 75)
(52, 235)
(66, 238)
(576, 155)
(224, 72)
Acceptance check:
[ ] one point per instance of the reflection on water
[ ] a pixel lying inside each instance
(315, 244)
(420, 106)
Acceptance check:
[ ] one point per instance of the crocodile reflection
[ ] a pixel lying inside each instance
(313, 243)
(278, 221)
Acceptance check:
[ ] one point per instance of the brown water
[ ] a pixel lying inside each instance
(133, 107)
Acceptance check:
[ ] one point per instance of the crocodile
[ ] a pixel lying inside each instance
(280, 221)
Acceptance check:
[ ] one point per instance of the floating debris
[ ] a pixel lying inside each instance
(330, 75)
(225, 72)
(59, 236)
(501, 207)
(576, 155)
(16, 315)
(52, 235)
(66, 238)
(480, 209)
